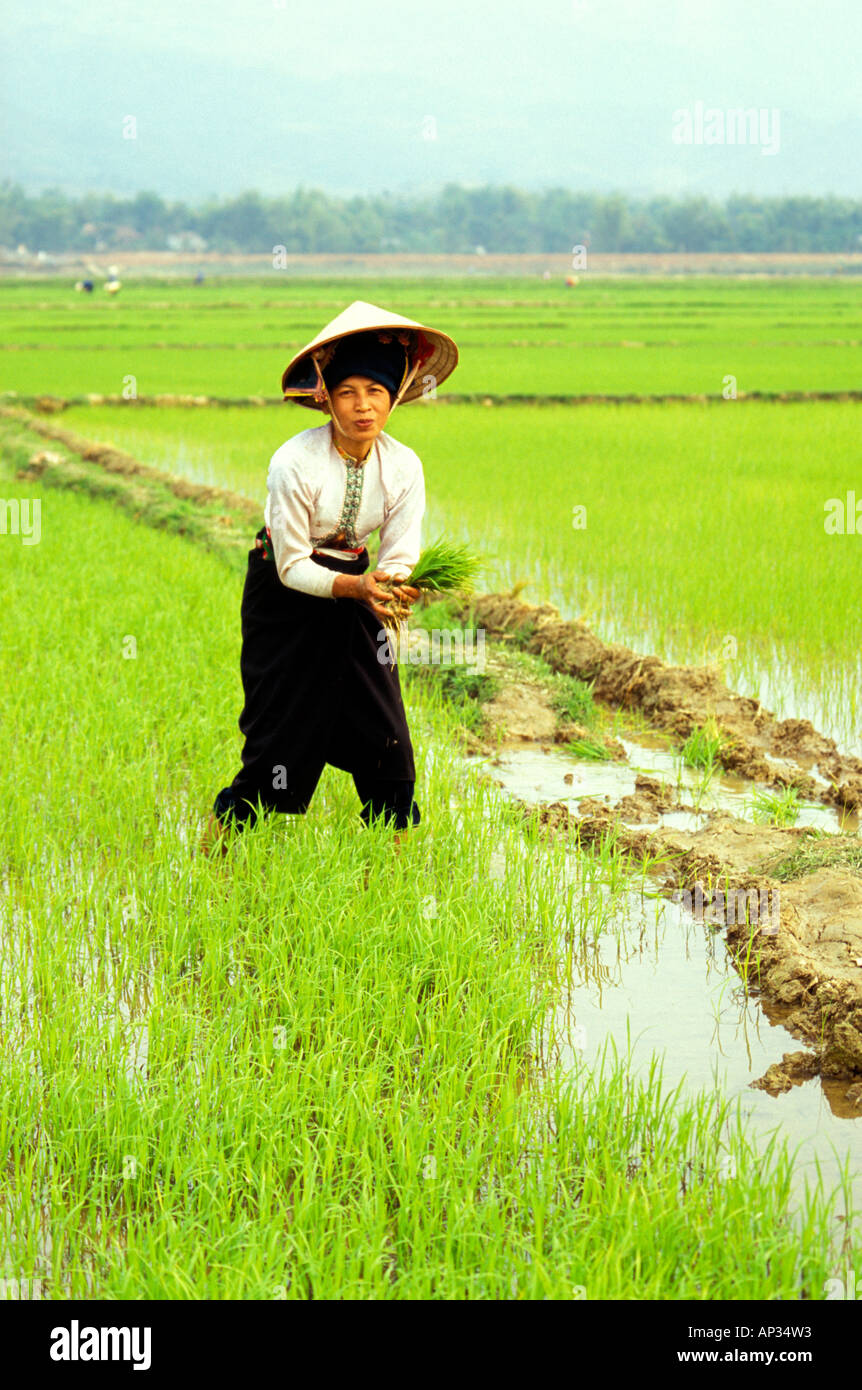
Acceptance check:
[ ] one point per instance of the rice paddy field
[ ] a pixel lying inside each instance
(493, 1066)
(517, 336)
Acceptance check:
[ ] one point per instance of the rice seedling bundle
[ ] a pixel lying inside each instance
(443, 568)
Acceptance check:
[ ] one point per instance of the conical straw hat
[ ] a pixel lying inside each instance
(431, 355)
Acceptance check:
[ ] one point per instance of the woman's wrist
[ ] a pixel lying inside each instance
(347, 586)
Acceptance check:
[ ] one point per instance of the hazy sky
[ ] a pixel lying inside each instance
(236, 94)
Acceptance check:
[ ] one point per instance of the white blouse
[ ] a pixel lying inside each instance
(312, 496)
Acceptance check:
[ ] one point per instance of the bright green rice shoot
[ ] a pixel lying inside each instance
(702, 748)
(775, 808)
(445, 567)
(573, 699)
(590, 749)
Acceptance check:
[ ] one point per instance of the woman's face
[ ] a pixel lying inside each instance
(360, 409)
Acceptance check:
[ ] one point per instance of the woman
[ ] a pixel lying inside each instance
(318, 688)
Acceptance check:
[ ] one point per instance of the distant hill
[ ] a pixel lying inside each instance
(525, 103)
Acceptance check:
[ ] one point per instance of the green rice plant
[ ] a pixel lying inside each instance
(818, 850)
(741, 953)
(573, 700)
(702, 751)
(465, 691)
(444, 567)
(461, 683)
(437, 615)
(700, 789)
(611, 861)
(702, 748)
(590, 749)
(697, 789)
(774, 808)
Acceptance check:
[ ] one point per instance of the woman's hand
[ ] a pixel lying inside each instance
(373, 594)
(367, 588)
(404, 592)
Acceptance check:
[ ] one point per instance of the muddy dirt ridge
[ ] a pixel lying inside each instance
(679, 699)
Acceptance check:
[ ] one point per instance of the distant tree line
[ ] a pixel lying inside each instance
(454, 220)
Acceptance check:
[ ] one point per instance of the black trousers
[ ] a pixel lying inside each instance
(316, 691)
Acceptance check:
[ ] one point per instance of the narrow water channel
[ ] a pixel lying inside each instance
(667, 980)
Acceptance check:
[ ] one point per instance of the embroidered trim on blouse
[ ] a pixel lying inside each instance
(344, 534)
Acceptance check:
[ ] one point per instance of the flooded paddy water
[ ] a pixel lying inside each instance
(542, 774)
(664, 982)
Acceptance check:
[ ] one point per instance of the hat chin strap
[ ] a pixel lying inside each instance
(405, 384)
(423, 351)
(322, 384)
